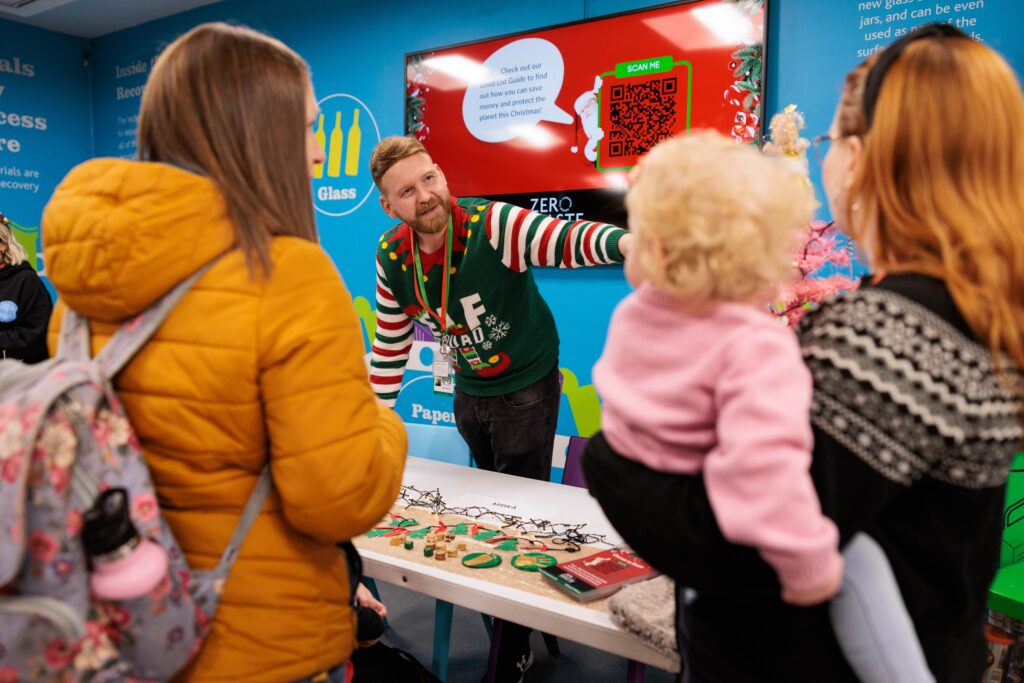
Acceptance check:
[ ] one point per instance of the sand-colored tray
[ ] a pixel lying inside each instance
(504, 574)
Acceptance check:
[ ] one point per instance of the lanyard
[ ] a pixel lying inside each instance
(421, 290)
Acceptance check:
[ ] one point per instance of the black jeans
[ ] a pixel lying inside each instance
(513, 433)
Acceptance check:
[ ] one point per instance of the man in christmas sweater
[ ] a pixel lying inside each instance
(467, 262)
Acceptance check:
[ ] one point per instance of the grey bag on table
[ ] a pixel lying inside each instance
(648, 610)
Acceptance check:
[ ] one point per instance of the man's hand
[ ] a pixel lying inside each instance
(626, 244)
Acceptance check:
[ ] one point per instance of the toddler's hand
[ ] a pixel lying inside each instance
(369, 627)
(816, 594)
(365, 599)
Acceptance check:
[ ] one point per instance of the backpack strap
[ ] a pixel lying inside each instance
(73, 344)
(252, 510)
(129, 338)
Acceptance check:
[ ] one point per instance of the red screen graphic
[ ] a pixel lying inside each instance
(573, 107)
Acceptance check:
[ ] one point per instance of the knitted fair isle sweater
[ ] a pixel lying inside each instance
(503, 332)
(914, 432)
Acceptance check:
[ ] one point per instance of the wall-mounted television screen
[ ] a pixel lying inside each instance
(553, 119)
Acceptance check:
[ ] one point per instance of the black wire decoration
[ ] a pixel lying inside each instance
(566, 537)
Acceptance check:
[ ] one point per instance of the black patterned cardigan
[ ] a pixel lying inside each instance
(915, 432)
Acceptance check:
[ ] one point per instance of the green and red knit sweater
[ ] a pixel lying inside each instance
(504, 333)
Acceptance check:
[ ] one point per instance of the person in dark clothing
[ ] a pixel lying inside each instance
(917, 402)
(25, 305)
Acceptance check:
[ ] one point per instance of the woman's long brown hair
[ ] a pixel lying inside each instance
(230, 102)
(943, 170)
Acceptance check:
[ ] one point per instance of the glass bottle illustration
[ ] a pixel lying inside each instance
(352, 150)
(318, 169)
(334, 149)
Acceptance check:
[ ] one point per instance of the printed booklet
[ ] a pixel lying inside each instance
(598, 575)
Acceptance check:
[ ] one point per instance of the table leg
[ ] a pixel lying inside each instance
(487, 624)
(552, 644)
(442, 638)
(635, 672)
(492, 658)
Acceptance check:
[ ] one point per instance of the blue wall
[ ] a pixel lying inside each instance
(813, 43)
(51, 125)
(357, 50)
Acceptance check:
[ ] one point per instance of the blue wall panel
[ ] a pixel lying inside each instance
(45, 125)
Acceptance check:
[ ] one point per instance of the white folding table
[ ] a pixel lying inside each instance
(526, 498)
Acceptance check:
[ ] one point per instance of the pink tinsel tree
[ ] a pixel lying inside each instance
(822, 251)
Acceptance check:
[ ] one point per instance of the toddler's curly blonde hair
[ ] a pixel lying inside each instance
(726, 216)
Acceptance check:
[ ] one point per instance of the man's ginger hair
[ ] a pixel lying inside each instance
(389, 152)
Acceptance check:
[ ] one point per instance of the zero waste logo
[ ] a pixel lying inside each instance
(348, 132)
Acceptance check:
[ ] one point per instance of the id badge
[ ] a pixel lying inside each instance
(444, 381)
(446, 350)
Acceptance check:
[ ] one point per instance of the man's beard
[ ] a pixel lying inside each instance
(434, 223)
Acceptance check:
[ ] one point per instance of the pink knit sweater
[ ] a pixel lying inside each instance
(724, 391)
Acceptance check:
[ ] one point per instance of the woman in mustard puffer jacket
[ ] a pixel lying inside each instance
(263, 358)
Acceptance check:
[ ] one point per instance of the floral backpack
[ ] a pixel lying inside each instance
(64, 439)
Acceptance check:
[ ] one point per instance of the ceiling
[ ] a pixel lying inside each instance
(92, 18)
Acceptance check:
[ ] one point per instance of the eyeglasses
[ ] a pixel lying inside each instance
(820, 144)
